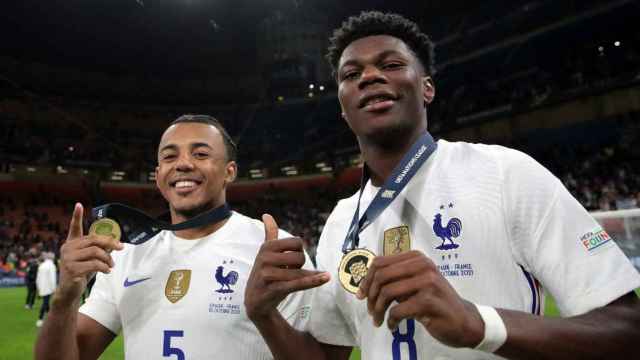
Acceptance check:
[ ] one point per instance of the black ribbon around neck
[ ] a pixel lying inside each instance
(138, 227)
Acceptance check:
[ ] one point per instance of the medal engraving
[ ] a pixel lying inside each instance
(353, 268)
(106, 227)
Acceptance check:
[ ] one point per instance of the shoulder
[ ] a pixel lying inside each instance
(465, 151)
(337, 224)
(343, 211)
(501, 160)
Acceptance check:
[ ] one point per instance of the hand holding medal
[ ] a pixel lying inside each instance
(410, 286)
(81, 256)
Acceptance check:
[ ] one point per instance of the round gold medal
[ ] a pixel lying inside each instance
(106, 227)
(353, 268)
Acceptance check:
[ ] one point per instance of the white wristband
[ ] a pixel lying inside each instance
(495, 333)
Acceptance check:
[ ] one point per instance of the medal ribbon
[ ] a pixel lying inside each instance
(412, 160)
(138, 227)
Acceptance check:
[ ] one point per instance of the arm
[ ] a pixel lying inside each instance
(425, 295)
(276, 273)
(65, 334)
(286, 343)
(547, 226)
(605, 333)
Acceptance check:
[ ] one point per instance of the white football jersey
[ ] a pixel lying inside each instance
(177, 302)
(498, 226)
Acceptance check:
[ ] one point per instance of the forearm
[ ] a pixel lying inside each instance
(606, 333)
(58, 335)
(287, 343)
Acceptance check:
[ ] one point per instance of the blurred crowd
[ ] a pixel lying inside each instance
(114, 138)
(601, 177)
(29, 227)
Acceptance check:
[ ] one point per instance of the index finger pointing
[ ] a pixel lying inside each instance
(270, 228)
(75, 226)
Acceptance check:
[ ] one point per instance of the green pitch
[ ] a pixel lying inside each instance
(18, 331)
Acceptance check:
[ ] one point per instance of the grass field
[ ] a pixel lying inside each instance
(18, 331)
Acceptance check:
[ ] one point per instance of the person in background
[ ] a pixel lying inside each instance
(46, 283)
(30, 280)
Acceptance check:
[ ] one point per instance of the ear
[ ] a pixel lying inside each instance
(343, 113)
(428, 90)
(156, 175)
(231, 172)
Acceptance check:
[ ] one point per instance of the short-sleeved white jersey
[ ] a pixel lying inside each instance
(499, 227)
(174, 302)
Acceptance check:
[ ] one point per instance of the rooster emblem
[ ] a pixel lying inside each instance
(225, 280)
(452, 230)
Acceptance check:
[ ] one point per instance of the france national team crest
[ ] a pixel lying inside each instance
(396, 240)
(447, 233)
(226, 280)
(225, 302)
(177, 285)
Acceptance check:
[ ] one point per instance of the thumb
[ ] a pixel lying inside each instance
(270, 228)
(75, 227)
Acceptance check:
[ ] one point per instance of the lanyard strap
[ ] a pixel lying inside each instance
(412, 160)
(139, 227)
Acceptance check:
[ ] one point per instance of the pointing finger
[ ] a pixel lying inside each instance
(270, 228)
(75, 226)
(304, 283)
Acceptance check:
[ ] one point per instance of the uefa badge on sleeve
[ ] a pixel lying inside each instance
(353, 268)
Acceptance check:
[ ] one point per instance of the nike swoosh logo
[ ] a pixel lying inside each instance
(128, 283)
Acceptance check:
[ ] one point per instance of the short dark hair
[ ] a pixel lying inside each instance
(229, 145)
(370, 23)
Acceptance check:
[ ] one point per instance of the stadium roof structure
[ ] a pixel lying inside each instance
(220, 39)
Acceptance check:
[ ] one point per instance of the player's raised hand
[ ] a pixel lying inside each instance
(277, 272)
(80, 257)
(422, 293)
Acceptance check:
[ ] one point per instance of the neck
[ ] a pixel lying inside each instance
(197, 233)
(382, 158)
(194, 233)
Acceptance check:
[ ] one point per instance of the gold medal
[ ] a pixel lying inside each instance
(353, 268)
(106, 227)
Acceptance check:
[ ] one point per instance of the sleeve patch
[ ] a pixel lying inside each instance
(595, 239)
